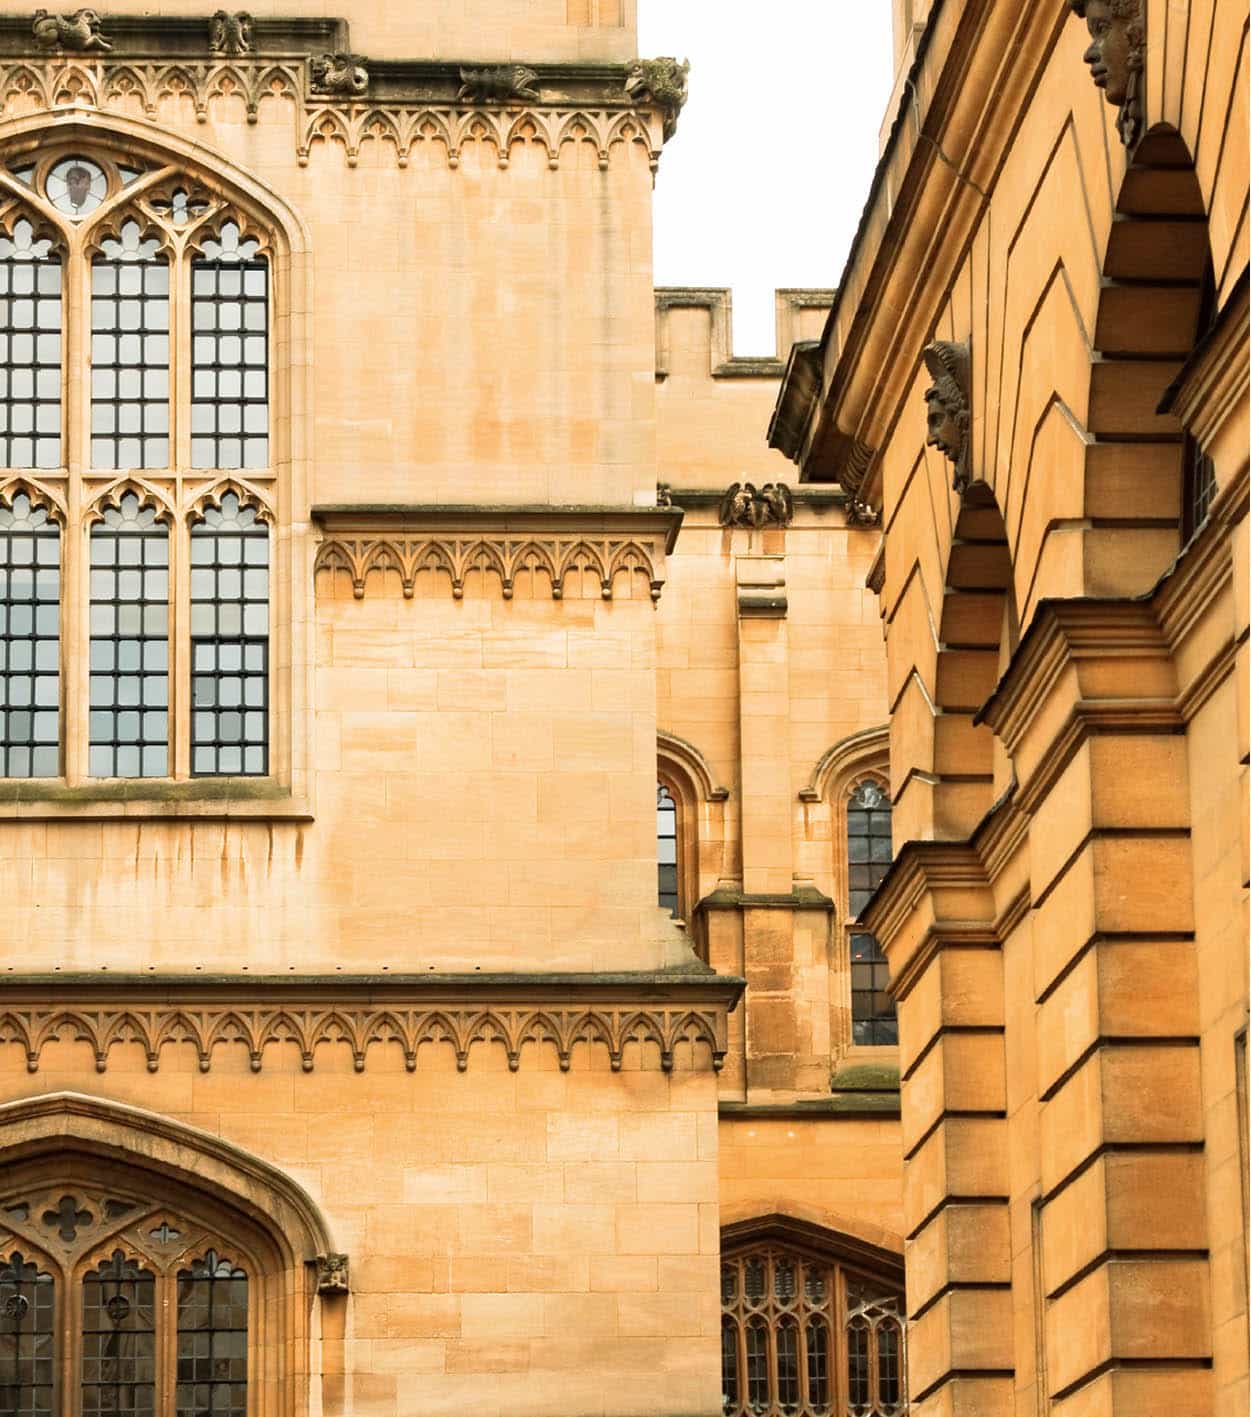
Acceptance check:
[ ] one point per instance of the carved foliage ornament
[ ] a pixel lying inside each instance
(947, 406)
(499, 85)
(343, 75)
(663, 82)
(746, 505)
(231, 34)
(1116, 56)
(77, 32)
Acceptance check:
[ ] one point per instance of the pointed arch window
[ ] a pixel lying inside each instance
(869, 858)
(135, 329)
(805, 1335)
(667, 894)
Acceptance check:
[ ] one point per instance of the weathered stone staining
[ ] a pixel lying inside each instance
(504, 83)
(947, 406)
(343, 75)
(747, 505)
(231, 33)
(76, 33)
(1116, 57)
(661, 81)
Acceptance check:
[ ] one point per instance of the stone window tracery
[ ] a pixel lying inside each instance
(135, 325)
(869, 856)
(112, 1306)
(803, 1335)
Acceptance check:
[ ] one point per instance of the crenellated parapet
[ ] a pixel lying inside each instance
(799, 314)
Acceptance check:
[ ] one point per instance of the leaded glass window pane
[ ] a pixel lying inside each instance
(27, 1315)
(818, 1344)
(729, 1366)
(230, 354)
(30, 640)
(868, 860)
(667, 849)
(757, 1367)
(129, 650)
(130, 353)
(787, 1339)
(229, 641)
(212, 1339)
(30, 350)
(118, 1340)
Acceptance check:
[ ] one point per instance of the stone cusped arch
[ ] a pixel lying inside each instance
(702, 844)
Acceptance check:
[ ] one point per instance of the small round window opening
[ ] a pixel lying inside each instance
(77, 186)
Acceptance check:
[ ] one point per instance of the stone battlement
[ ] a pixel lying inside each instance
(705, 341)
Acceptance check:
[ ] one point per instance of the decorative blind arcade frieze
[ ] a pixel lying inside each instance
(403, 104)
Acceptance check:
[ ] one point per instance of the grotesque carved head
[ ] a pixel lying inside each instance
(947, 405)
(1115, 56)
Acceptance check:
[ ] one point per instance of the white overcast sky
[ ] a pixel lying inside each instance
(764, 182)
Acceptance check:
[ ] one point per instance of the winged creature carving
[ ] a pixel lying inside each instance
(79, 31)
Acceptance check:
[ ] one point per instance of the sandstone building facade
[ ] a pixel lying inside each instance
(1036, 370)
(442, 763)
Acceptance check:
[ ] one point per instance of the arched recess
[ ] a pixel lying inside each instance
(978, 631)
(90, 1184)
(700, 811)
(1154, 303)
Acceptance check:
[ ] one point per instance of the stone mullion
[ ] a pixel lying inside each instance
(957, 1250)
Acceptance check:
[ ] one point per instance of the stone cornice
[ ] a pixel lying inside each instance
(507, 541)
(410, 1011)
(976, 69)
(730, 898)
(403, 102)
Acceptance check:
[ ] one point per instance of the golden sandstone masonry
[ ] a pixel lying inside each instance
(450, 774)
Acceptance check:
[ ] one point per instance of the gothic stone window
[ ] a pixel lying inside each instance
(868, 859)
(804, 1335)
(135, 318)
(111, 1306)
(667, 850)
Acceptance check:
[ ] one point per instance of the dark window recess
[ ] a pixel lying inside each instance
(230, 354)
(30, 350)
(667, 849)
(229, 641)
(868, 860)
(118, 1340)
(129, 651)
(1199, 472)
(212, 1372)
(130, 353)
(30, 640)
(27, 1313)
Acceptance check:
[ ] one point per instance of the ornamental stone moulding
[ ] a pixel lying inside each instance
(1116, 57)
(336, 97)
(947, 415)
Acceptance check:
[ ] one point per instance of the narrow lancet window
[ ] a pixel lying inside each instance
(230, 353)
(119, 1340)
(130, 353)
(666, 849)
(868, 860)
(30, 350)
(229, 641)
(129, 730)
(30, 640)
(212, 1339)
(27, 1316)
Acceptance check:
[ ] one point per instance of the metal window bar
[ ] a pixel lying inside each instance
(229, 641)
(230, 354)
(212, 1364)
(30, 640)
(118, 1340)
(30, 350)
(129, 649)
(666, 849)
(130, 353)
(27, 1313)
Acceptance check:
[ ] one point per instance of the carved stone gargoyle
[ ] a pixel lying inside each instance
(746, 505)
(344, 75)
(77, 32)
(1117, 52)
(947, 406)
(499, 84)
(332, 1274)
(663, 82)
(862, 513)
(230, 34)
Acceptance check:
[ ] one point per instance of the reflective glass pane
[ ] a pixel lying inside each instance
(30, 351)
(29, 639)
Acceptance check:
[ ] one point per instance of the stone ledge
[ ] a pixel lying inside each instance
(867, 1104)
(726, 898)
